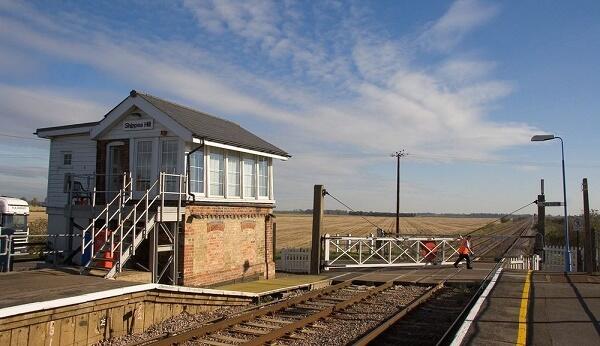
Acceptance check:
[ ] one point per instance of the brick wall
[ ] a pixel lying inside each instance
(225, 243)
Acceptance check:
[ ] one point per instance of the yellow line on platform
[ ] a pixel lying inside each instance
(522, 336)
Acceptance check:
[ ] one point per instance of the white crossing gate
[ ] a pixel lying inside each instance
(372, 251)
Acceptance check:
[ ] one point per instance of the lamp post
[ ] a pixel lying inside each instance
(541, 138)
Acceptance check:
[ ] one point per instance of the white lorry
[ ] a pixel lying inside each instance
(13, 222)
(13, 213)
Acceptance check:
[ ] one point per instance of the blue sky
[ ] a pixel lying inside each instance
(340, 85)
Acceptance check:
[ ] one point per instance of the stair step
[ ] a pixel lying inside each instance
(165, 248)
(105, 259)
(98, 268)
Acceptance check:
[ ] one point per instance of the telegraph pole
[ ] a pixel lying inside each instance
(590, 244)
(398, 155)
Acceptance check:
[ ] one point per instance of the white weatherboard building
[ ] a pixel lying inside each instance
(167, 163)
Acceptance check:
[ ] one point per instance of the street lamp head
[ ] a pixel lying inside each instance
(541, 138)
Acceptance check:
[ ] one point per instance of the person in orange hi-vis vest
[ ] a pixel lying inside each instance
(464, 252)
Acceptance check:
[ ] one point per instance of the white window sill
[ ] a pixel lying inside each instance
(232, 200)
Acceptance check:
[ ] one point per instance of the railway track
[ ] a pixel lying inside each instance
(352, 313)
(301, 320)
(496, 245)
(436, 320)
(425, 324)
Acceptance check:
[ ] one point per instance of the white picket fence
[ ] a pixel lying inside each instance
(554, 258)
(523, 262)
(294, 261)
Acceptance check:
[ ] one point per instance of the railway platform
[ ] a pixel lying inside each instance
(36, 286)
(537, 308)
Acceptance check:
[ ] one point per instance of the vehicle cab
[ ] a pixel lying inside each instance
(13, 214)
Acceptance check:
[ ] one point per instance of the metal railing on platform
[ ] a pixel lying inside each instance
(523, 262)
(46, 248)
(93, 189)
(554, 258)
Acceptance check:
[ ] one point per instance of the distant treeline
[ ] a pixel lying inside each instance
(392, 214)
(380, 213)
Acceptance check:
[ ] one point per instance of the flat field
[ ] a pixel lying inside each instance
(294, 230)
(36, 213)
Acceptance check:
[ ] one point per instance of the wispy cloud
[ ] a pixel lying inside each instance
(350, 89)
(34, 107)
(461, 18)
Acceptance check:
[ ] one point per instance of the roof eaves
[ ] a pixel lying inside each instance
(245, 146)
(65, 127)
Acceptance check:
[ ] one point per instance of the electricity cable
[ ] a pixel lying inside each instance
(501, 217)
(345, 205)
(22, 137)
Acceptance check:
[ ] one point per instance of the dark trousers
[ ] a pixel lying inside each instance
(461, 257)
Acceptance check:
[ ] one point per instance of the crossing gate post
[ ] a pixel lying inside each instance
(327, 248)
(315, 255)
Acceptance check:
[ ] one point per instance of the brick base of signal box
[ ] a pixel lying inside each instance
(226, 243)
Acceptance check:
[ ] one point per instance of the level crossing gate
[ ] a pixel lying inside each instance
(386, 251)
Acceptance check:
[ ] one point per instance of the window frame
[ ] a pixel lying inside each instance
(229, 154)
(169, 180)
(63, 155)
(209, 171)
(152, 163)
(203, 150)
(258, 176)
(253, 177)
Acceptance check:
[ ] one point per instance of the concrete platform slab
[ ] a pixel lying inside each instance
(47, 284)
(559, 309)
(285, 282)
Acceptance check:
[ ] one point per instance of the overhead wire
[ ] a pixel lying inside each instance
(501, 217)
(349, 208)
(22, 137)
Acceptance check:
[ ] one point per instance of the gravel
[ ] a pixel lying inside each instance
(338, 329)
(184, 321)
(344, 326)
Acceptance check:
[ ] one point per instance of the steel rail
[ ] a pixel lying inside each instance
(279, 332)
(521, 230)
(253, 314)
(371, 335)
(381, 328)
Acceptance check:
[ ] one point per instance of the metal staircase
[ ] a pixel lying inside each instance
(133, 221)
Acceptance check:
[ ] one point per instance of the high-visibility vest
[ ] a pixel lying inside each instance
(464, 247)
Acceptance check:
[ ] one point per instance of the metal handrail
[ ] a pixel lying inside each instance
(91, 182)
(144, 198)
(144, 214)
(10, 244)
(121, 199)
(133, 211)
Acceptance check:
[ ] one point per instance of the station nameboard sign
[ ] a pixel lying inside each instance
(136, 125)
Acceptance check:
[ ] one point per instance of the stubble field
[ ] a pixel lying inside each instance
(294, 230)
